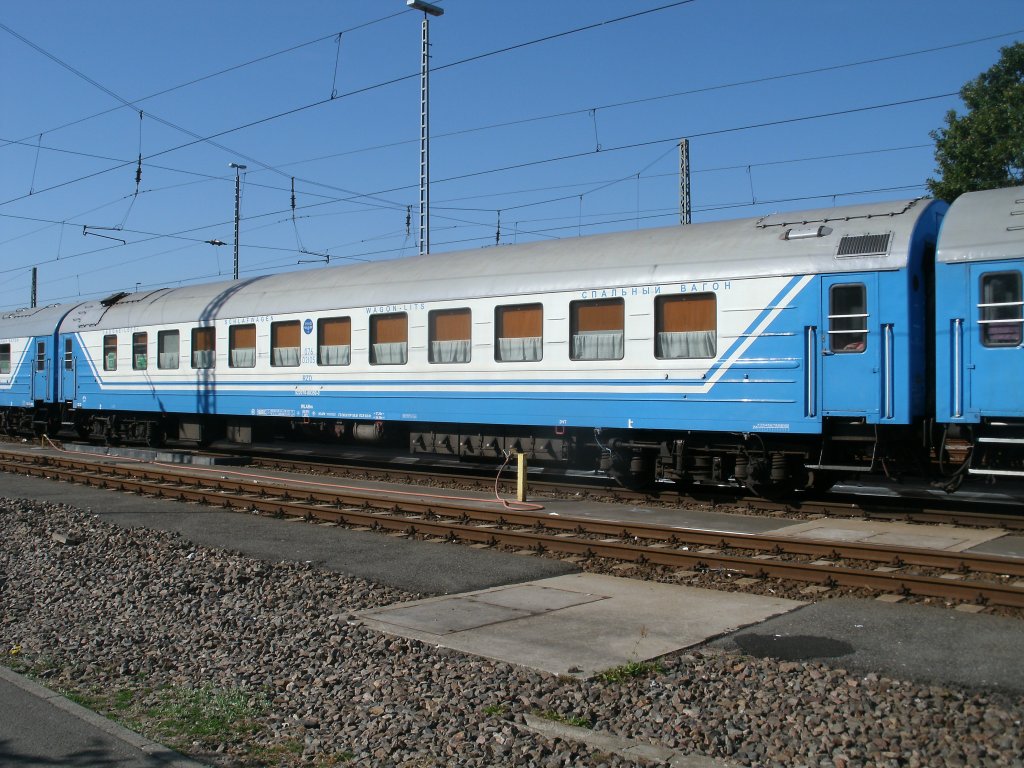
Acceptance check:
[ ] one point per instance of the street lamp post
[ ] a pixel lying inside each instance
(429, 9)
(238, 202)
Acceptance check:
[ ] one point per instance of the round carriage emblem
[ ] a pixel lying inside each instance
(307, 326)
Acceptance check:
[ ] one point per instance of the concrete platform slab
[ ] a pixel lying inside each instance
(584, 622)
(709, 520)
(459, 613)
(1007, 546)
(939, 537)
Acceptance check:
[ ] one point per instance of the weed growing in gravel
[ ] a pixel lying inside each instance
(578, 722)
(185, 712)
(276, 753)
(630, 670)
(495, 710)
(93, 701)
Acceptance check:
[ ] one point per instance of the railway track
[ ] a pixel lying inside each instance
(952, 511)
(956, 576)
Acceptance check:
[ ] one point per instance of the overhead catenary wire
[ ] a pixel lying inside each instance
(226, 70)
(503, 207)
(660, 97)
(828, 68)
(332, 97)
(366, 256)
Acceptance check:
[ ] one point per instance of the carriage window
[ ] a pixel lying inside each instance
(451, 336)
(1000, 315)
(686, 326)
(69, 358)
(284, 343)
(596, 328)
(847, 318)
(140, 341)
(334, 341)
(241, 346)
(40, 355)
(204, 347)
(519, 333)
(5, 358)
(110, 353)
(167, 346)
(389, 339)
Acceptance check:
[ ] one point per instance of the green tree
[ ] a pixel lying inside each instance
(984, 148)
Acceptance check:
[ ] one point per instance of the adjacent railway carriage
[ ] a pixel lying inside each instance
(28, 399)
(772, 352)
(979, 361)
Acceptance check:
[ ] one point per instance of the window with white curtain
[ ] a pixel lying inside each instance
(334, 341)
(285, 342)
(242, 346)
(519, 333)
(686, 326)
(451, 335)
(204, 347)
(389, 339)
(596, 329)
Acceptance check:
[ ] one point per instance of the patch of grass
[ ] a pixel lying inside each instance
(275, 753)
(87, 700)
(496, 710)
(205, 712)
(573, 720)
(630, 670)
(123, 699)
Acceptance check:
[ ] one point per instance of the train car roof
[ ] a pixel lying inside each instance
(873, 236)
(984, 226)
(32, 321)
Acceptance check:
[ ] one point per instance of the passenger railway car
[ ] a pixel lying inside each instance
(978, 357)
(771, 352)
(27, 370)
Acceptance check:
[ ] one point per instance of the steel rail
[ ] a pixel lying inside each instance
(841, 505)
(316, 506)
(285, 489)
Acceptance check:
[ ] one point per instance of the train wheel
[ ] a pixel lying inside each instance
(633, 470)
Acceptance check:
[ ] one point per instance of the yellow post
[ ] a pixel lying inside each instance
(521, 485)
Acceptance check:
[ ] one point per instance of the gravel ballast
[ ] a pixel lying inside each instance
(128, 617)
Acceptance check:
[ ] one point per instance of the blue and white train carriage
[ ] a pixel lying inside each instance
(779, 350)
(979, 360)
(27, 371)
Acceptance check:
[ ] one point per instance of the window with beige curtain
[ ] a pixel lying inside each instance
(519, 333)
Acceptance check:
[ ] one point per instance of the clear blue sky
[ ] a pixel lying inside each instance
(516, 131)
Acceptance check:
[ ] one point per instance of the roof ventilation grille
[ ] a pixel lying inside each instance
(864, 245)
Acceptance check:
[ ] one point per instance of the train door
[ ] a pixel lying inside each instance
(850, 346)
(68, 372)
(993, 358)
(41, 370)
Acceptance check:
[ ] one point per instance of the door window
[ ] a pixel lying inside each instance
(999, 312)
(848, 318)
